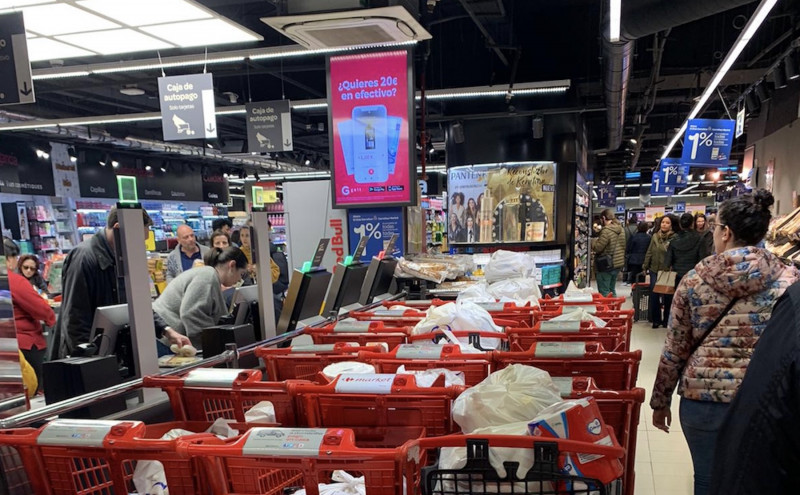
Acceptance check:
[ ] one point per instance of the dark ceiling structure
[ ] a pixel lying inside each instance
(632, 95)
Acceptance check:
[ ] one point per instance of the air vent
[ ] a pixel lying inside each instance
(386, 25)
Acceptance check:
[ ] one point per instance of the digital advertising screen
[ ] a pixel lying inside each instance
(370, 99)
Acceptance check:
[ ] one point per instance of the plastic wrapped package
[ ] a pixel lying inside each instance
(506, 265)
(461, 315)
(343, 484)
(516, 393)
(519, 290)
(426, 378)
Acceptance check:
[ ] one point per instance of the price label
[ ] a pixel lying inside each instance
(560, 326)
(76, 432)
(560, 349)
(312, 348)
(351, 326)
(284, 442)
(211, 377)
(564, 385)
(418, 351)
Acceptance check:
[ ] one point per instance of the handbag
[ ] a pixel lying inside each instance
(713, 325)
(605, 262)
(665, 283)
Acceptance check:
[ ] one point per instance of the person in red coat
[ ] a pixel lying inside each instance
(30, 309)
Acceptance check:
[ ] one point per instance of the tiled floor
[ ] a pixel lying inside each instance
(663, 463)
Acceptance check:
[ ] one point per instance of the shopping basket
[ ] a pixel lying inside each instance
(274, 461)
(208, 394)
(611, 370)
(360, 333)
(619, 409)
(375, 404)
(304, 362)
(89, 457)
(13, 478)
(640, 293)
(554, 470)
(480, 340)
(410, 317)
(420, 357)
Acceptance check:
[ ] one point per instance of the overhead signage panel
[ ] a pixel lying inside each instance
(16, 84)
(707, 143)
(370, 97)
(187, 107)
(607, 195)
(674, 173)
(269, 127)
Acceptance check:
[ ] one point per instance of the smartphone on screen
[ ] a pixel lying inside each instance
(370, 144)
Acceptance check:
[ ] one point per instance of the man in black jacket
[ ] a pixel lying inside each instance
(684, 251)
(89, 281)
(758, 448)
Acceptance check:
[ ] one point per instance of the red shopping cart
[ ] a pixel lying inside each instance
(86, 457)
(274, 461)
(304, 362)
(360, 332)
(420, 357)
(611, 370)
(480, 340)
(613, 338)
(208, 394)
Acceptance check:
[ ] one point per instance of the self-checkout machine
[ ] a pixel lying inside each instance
(345, 288)
(306, 294)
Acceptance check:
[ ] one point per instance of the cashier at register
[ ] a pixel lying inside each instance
(89, 281)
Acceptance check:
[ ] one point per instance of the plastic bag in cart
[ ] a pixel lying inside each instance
(506, 264)
(519, 290)
(478, 293)
(581, 314)
(456, 458)
(461, 315)
(263, 412)
(335, 369)
(516, 393)
(426, 378)
(345, 484)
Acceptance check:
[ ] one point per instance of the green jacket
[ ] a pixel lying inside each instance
(655, 259)
(612, 242)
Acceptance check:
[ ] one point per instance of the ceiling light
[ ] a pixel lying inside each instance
(763, 91)
(147, 12)
(225, 174)
(73, 159)
(309, 106)
(614, 19)
(779, 76)
(115, 41)
(715, 176)
(15, 4)
(42, 154)
(702, 176)
(61, 18)
(40, 49)
(307, 162)
(114, 163)
(164, 168)
(148, 168)
(633, 141)
(792, 66)
(741, 42)
(202, 33)
(132, 90)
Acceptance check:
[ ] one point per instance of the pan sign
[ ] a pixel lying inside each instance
(269, 127)
(187, 107)
(16, 85)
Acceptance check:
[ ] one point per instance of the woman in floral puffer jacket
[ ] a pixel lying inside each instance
(708, 379)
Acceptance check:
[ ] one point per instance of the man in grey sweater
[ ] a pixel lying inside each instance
(185, 254)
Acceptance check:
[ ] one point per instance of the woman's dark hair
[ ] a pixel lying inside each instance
(221, 222)
(642, 227)
(10, 248)
(687, 221)
(218, 233)
(657, 224)
(675, 222)
(701, 215)
(236, 237)
(747, 216)
(217, 256)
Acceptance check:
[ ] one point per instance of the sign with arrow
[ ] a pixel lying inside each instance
(16, 84)
(187, 107)
(269, 126)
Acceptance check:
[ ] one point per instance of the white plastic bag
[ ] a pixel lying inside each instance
(149, 477)
(580, 315)
(506, 264)
(516, 393)
(456, 458)
(477, 293)
(335, 369)
(461, 315)
(263, 412)
(519, 290)
(345, 485)
(425, 378)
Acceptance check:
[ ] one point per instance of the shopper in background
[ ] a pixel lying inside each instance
(636, 251)
(611, 242)
(28, 266)
(30, 309)
(706, 233)
(654, 262)
(89, 281)
(758, 447)
(684, 250)
(194, 300)
(720, 310)
(223, 224)
(632, 228)
(220, 239)
(185, 254)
